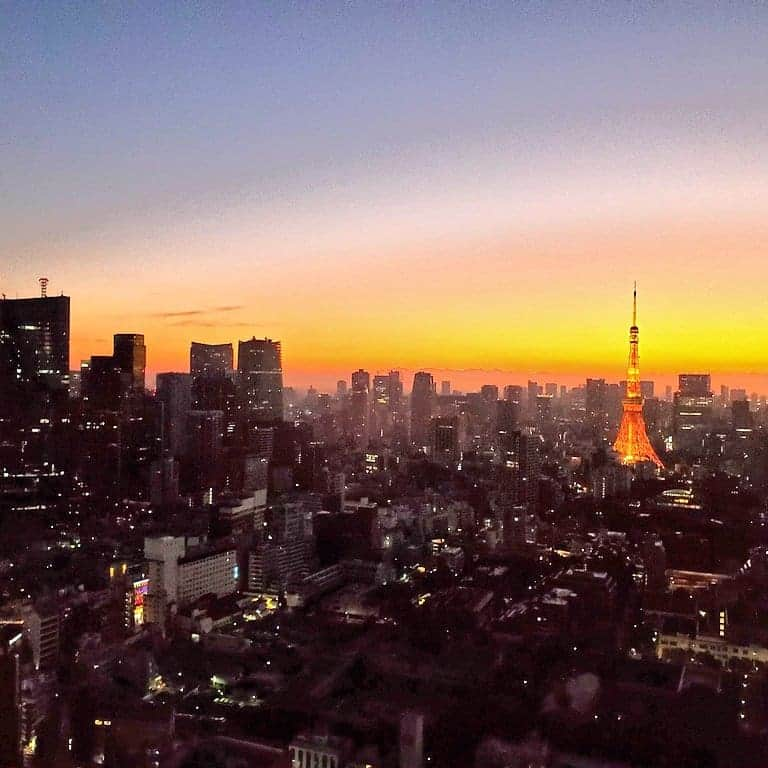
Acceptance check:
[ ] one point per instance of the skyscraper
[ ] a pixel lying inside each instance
(596, 405)
(632, 443)
(174, 390)
(359, 407)
(260, 379)
(692, 411)
(130, 356)
(211, 360)
(34, 348)
(422, 398)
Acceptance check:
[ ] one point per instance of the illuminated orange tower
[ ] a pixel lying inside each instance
(632, 442)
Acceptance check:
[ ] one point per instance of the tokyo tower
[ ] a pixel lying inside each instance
(632, 443)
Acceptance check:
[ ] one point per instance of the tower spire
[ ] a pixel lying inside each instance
(634, 305)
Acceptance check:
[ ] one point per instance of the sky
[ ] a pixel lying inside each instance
(465, 188)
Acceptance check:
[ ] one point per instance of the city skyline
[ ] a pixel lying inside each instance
(409, 188)
(461, 379)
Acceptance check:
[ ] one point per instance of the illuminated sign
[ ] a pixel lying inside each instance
(140, 590)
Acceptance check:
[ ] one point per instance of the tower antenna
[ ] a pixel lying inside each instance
(634, 304)
(43, 287)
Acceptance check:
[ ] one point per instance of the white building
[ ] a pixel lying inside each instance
(178, 574)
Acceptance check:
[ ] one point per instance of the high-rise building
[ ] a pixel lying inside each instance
(422, 402)
(130, 355)
(204, 448)
(445, 438)
(694, 384)
(692, 411)
(445, 388)
(174, 391)
(341, 388)
(632, 443)
(361, 380)
(518, 461)
(533, 393)
(741, 416)
(211, 360)
(260, 380)
(102, 383)
(513, 393)
(596, 404)
(550, 389)
(34, 348)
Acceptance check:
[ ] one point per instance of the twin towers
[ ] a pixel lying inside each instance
(632, 443)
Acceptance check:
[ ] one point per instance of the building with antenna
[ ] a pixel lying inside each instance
(632, 443)
(34, 347)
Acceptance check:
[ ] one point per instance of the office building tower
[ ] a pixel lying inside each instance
(211, 360)
(725, 395)
(361, 380)
(513, 393)
(395, 392)
(692, 412)
(34, 350)
(694, 384)
(164, 481)
(445, 439)
(741, 417)
(738, 394)
(445, 388)
(205, 431)
(596, 406)
(489, 393)
(260, 380)
(102, 384)
(506, 422)
(632, 443)
(341, 388)
(550, 389)
(381, 391)
(130, 355)
(360, 407)
(518, 461)
(422, 403)
(174, 391)
(544, 414)
(533, 393)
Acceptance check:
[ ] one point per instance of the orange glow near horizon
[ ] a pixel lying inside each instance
(547, 305)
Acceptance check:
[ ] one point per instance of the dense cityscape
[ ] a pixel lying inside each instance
(383, 384)
(222, 571)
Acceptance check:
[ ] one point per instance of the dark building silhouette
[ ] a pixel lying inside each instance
(260, 380)
(34, 348)
(174, 391)
(422, 404)
(211, 360)
(130, 356)
(445, 438)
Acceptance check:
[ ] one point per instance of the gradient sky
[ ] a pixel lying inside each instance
(470, 187)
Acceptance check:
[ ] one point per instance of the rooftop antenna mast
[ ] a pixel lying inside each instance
(43, 287)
